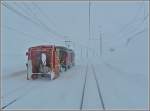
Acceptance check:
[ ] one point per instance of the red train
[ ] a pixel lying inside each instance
(48, 61)
(66, 57)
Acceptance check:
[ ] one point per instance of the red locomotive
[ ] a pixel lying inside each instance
(48, 61)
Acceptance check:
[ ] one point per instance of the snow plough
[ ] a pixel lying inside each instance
(48, 61)
(42, 61)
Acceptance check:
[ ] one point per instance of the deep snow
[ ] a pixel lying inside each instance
(122, 70)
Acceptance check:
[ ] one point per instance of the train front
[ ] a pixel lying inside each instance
(42, 62)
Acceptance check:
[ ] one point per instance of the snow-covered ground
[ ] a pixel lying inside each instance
(120, 90)
(121, 71)
(62, 93)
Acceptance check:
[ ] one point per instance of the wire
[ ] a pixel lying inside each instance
(35, 16)
(42, 23)
(30, 14)
(132, 21)
(134, 36)
(133, 29)
(23, 9)
(137, 27)
(25, 34)
(18, 13)
(129, 24)
(25, 17)
(43, 13)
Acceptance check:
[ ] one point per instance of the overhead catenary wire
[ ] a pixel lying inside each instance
(133, 33)
(128, 39)
(40, 10)
(128, 27)
(23, 9)
(37, 21)
(132, 21)
(18, 13)
(136, 28)
(44, 14)
(36, 17)
(27, 35)
(135, 36)
(27, 18)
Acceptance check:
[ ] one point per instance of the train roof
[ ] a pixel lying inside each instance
(50, 46)
(61, 47)
(41, 46)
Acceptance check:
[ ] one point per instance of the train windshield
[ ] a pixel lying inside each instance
(40, 59)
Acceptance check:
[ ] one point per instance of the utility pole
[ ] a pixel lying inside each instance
(81, 52)
(100, 41)
(89, 19)
(87, 52)
(67, 42)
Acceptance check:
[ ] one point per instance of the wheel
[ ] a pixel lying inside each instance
(34, 76)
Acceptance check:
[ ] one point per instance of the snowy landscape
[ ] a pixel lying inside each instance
(110, 41)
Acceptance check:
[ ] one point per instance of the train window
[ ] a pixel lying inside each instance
(44, 58)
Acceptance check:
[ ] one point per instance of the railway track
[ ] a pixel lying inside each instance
(101, 105)
(89, 67)
(84, 85)
(20, 95)
(20, 92)
(98, 87)
(11, 102)
(17, 93)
